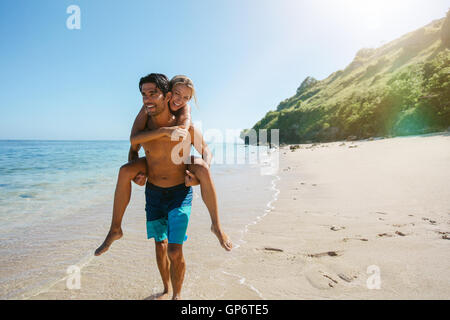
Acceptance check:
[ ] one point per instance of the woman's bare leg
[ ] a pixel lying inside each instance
(122, 197)
(201, 170)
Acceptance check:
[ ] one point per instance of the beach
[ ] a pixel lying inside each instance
(356, 220)
(367, 219)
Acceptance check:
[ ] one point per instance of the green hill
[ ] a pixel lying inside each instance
(400, 88)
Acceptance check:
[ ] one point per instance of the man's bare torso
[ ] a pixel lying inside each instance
(162, 171)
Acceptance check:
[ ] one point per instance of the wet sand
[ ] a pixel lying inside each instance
(128, 270)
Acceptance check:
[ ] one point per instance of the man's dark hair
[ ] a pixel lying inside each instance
(160, 80)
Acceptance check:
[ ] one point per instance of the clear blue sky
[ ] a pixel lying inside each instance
(244, 56)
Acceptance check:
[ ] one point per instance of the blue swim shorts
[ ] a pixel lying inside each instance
(168, 211)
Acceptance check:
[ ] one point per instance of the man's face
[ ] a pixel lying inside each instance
(152, 98)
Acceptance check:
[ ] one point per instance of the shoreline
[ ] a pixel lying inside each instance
(129, 271)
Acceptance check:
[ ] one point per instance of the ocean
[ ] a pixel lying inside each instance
(56, 203)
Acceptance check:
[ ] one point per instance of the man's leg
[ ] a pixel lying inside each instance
(177, 268)
(201, 170)
(164, 266)
(121, 199)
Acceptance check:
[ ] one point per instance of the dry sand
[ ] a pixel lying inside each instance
(356, 220)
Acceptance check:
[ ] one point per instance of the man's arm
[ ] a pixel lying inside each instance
(139, 124)
(133, 153)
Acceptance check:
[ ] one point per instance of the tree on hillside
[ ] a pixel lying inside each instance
(306, 84)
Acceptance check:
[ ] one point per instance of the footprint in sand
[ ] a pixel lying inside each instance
(332, 283)
(270, 251)
(433, 222)
(320, 279)
(403, 225)
(346, 278)
(273, 249)
(324, 254)
(325, 280)
(336, 228)
(445, 235)
(385, 235)
(382, 213)
(399, 233)
(361, 239)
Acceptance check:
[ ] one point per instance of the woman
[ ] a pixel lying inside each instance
(182, 90)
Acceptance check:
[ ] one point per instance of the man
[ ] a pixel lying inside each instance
(168, 199)
(181, 91)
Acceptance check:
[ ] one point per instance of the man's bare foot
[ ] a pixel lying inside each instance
(110, 238)
(176, 297)
(160, 296)
(163, 296)
(225, 242)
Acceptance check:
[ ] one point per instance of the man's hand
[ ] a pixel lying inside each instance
(190, 179)
(140, 179)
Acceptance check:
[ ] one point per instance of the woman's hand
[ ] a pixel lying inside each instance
(140, 179)
(176, 133)
(190, 179)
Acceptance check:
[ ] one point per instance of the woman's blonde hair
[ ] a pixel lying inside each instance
(181, 79)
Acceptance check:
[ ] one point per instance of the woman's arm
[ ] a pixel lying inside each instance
(145, 136)
(184, 117)
(140, 136)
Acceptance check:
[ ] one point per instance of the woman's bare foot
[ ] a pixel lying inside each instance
(110, 238)
(225, 242)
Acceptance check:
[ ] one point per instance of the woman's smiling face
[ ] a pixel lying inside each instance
(181, 94)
